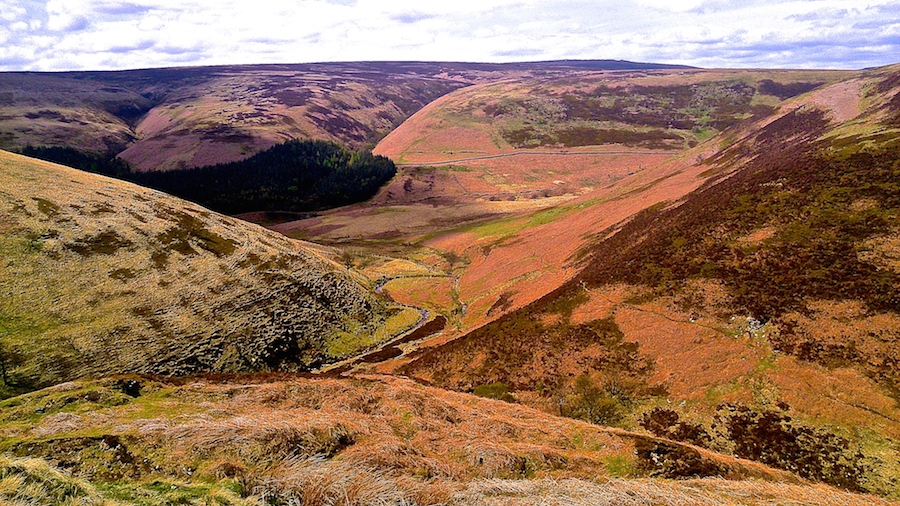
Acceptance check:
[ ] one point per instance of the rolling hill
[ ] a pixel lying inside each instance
(102, 277)
(644, 109)
(699, 265)
(771, 288)
(158, 119)
(187, 117)
(478, 211)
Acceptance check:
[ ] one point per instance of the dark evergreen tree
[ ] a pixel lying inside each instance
(296, 176)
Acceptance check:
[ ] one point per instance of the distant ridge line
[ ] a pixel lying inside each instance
(371, 65)
(613, 65)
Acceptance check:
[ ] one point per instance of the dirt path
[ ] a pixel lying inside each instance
(521, 153)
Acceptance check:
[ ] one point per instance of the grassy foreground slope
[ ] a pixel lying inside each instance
(755, 312)
(362, 441)
(100, 276)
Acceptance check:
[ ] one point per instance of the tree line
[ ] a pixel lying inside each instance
(295, 176)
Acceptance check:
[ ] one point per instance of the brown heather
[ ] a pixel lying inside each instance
(733, 287)
(360, 441)
(771, 285)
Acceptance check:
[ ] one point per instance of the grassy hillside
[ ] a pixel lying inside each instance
(766, 299)
(641, 110)
(159, 119)
(479, 212)
(102, 277)
(364, 441)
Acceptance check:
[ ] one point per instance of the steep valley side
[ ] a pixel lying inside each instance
(104, 277)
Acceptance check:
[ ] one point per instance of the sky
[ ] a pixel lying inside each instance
(55, 35)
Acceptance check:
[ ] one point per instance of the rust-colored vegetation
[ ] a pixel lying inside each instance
(791, 231)
(246, 440)
(734, 289)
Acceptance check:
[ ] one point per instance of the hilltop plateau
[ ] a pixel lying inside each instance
(159, 119)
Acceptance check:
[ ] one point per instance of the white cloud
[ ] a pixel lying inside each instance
(673, 6)
(72, 34)
(12, 12)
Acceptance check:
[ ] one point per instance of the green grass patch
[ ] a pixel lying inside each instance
(546, 216)
(497, 390)
(715, 393)
(766, 363)
(508, 227)
(167, 492)
(502, 228)
(621, 466)
(455, 168)
(358, 338)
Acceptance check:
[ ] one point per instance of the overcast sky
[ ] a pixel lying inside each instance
(109, 34)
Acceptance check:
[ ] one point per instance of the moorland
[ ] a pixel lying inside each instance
(586, 282)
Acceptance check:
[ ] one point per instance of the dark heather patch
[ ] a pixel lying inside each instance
(122, 274)
(672, 460)
(104, 243)
(190, 232)
(785, 91)
(46, 207)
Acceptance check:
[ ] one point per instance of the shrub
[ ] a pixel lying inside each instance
(594, 403)
(666, 423)
(773, 438)
(497, 390)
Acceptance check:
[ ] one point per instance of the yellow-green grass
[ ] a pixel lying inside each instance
(434, 293)
(362, 440)
(507, 227)
(389, 268)
(101, 276)
(354, 340)
(29, 481)
(25, 481)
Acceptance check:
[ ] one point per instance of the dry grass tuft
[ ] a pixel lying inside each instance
(313, 482)
(33, 481)
(57, 423)
(493, 460)
(264, 437)
(360, 441)
(643, 492)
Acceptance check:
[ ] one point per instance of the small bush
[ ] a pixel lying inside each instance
(773, 438)
(602, 404)
(666, 423)
(498, 390)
